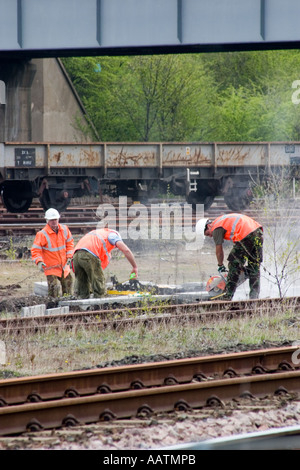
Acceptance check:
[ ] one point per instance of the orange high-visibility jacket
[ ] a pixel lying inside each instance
(53, 249)
(237, 226)
(96, 242)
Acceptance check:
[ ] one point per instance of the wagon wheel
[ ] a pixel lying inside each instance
(17, 196)
(195, 198)
(237, 203)
(237, 198)
(54, 199)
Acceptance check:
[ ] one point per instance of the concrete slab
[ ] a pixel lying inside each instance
(184, 297)
(33, 311)
(40, 288)
(57, 311)
(40, 311)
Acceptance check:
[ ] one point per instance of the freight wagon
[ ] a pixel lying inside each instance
(54, 173)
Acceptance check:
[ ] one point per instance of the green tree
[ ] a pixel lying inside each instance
(234, 96)
(253, 93)
(142, 98)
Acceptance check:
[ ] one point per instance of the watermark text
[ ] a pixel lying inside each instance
(161, 221)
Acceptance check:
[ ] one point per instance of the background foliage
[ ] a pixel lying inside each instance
(230, 96)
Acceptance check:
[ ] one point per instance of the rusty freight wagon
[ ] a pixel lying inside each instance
(54, 173)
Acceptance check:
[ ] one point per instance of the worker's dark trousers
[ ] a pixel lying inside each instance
(247, 255)
(89, 276)
(58, 284)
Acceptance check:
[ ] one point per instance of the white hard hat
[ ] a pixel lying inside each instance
(52, 214)
(201, 226)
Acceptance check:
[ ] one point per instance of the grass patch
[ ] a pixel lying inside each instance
(59, 350)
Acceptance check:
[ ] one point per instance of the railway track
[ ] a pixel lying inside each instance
(83, 218)
(80, 220)
(33, 404)
(120, 316)
(90, 396)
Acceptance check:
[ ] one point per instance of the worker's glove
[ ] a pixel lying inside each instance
(222, 269)
(41, 266)
(69, 262)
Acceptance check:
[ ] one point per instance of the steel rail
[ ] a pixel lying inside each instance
(31, 221)
(18, 419)
(163, 312)
(35, 325)
(113, 379)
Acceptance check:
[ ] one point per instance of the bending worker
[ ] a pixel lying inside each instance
(52, 252)
(92, 255)
(247, 237)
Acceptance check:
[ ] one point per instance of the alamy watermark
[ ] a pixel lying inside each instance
(296, 354)
(161, 221)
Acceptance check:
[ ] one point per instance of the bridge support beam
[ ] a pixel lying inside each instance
(15, 112)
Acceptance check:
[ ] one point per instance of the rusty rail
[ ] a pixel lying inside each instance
(144, 388)
(167, 312)
(99, 407)
(83, 218)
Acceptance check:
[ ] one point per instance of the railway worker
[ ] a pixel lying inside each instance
(247, 237)
(52, 252)
(92, 255)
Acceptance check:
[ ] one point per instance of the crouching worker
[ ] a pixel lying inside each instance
(52, 252)
(247, 237)
(92, 255)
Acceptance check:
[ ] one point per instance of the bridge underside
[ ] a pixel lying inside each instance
(39, 28)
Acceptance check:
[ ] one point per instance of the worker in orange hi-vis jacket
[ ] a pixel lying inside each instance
(52, 252)
(247, 237)
(92, 255)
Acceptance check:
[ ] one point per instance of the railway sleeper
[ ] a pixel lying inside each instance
(34, 426)
(170, 380)
(107, 415)
(144, 411)
(104, 388)
(285, 365)
(137, 385)
(230, 373)
(199, 377)
(182, 405)
(71, 393)
(34, 397)
(214, 402)
(70, 421)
